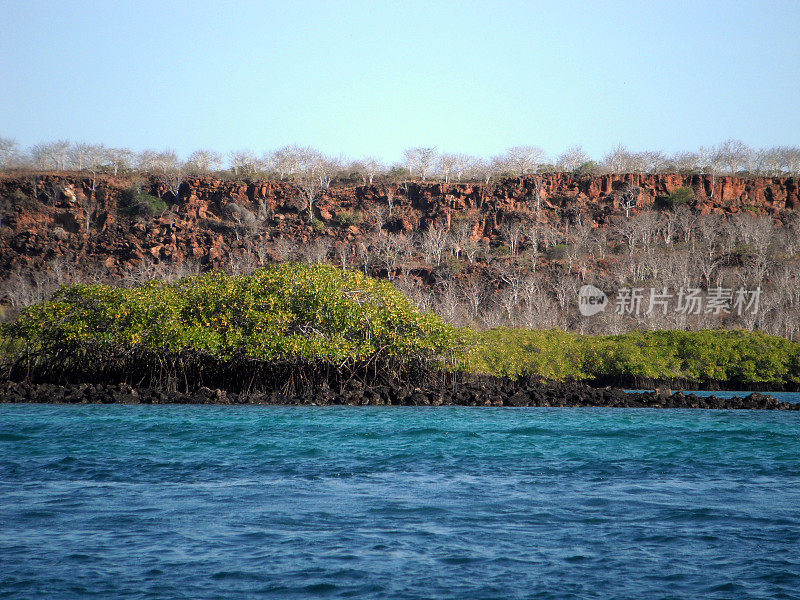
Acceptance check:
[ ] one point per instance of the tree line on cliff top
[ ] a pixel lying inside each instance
(731, 157)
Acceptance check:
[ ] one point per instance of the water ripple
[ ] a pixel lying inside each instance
(137, 502)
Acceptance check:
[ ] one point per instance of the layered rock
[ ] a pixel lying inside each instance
(75, 219)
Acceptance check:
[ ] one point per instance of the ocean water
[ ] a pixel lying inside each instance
(380, 502)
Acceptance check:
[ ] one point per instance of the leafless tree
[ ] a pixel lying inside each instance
(390, 202)
(791, 234)
(582, 235)
(525, 159)
(651, 161)
(486, 170)
(685, 162)
(758, 232)
(88, 205)
(768, 161)
(420, 160)
(474, 293)
(790, 159)
(317, 251)
(459, 236)
(204, 161)
(685, 221)
(308, 179)
(287, 160)
(392, 249)
(538, 310)
(628, 197)
(646, 224)
(712, 163)
(628, 231)
(52, 154)
(565, 287)
(147, 161)
(492, 316)
(433, 244)
(600, 241)
(571, 159)
(380, 214)
(166, 161)
(364, 255)
(245, 221)
(445, 166)
(507, 299)
(550, 235)
(343, 253)
(119, 158)
(241, 162)
(262, 252)
(619, 160)
(462, 164)
(667, 226)
(706, 265)
(734, 154)
(283, 248)
(367, 169)
(9, 150)
(708, 229)
(447, 302)
(512, 232)
(326, 169)
(533, 235)
(77, 153)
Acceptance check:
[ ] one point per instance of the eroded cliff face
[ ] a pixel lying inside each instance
(60, 219)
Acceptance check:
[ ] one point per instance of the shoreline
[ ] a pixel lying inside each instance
(489, 394)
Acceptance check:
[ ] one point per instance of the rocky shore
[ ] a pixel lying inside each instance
(489, 392)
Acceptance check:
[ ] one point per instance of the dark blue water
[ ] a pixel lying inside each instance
(302, 502)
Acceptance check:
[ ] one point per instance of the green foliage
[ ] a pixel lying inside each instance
(321, 313)
(738, 357)
(680, 197)
(136, 203)
(288, 311)
(346, 218)
(499, 250)
(317, 225)
(587, 168)
(18, 197)
(557, 252)
(513, 352)
(397, 173)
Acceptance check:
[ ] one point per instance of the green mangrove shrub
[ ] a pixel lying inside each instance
(735, 357)
(312, 312)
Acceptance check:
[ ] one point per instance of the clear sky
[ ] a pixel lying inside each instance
(372, 78)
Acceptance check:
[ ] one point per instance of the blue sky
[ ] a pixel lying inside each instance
(372, 78)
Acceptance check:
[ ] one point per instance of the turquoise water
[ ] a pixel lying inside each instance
(342, 502)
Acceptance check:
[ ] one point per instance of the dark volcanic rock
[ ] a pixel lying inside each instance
(489, 391)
